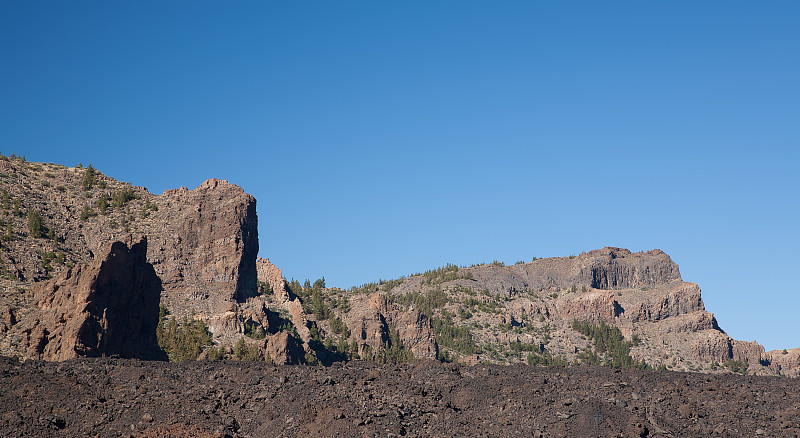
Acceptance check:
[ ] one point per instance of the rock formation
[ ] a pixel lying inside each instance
(283, 349)
(205, 247)
(369, 320)
(107, 308)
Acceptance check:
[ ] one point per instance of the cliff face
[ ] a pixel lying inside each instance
(505, 308)
(202, 250)
(203, 243)
(205, 247)
(109, 307)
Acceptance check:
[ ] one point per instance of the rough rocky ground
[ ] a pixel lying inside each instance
(121, 397)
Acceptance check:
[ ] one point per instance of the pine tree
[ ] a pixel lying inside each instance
(35, 224)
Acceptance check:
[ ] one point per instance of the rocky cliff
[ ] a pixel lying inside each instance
(106, 308)
(60, 222)
(204, 248)
(203, 243)
(525, 312)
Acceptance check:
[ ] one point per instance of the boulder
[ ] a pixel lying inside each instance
(284, 349)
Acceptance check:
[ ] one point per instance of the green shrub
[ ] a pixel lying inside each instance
(242, 351)
(446, 273)
(102, 205)
(737, 366)
(89, 178)
(264, 288)
(122, 197)
(9, 235)
(254, 330)
(87, 212)
(425, 302)
(35, 225)
(216, 353)
(183, 340)
(339, 327)
(609, 342)
(395, 351)
(456, 338)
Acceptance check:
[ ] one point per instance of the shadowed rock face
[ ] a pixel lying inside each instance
(109, 307)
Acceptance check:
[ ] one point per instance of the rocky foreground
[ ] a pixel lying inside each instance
(121, 397)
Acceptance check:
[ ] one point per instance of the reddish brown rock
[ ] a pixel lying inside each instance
(750, 352)
(271, 274)
(205, 247)
(593, 307)
(614, 268)
(7, 318)
(284, 349)
(109, 307)
(657, 305)
(374, 316)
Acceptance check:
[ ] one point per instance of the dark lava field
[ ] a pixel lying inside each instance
(110, 397)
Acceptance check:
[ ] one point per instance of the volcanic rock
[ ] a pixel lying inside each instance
(109, 307)
(205, 247)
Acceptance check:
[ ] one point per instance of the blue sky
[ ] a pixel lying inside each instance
(382, 139)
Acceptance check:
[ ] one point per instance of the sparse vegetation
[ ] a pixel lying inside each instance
(9, 235)
(456, 338)
(183, 340)
(446, 273)
(264, 288)
(395, 351)
(89, 178)
(254, 330)
(608, 342)
(87, 212)
(122, 197)
(339, 327)
(425, 302)
(737, 366)
(243, 351)
(102, 204)
(380, 285)
(35, 224)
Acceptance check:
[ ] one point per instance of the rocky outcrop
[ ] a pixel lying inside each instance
(414, 330)
(374, 316)
(109, 307)
(616, 268)
(269, 273)
(272, 275)
(205, 247)
(283, 349)
(712, 346)
(7, 318)
(203, 243)
(607, 268)
(593, 307)
(750, 352)
(655, 305)
(786, 361)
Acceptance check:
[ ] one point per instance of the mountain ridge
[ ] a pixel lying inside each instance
(203, 246)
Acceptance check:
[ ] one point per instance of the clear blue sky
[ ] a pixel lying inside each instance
(385, 138)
